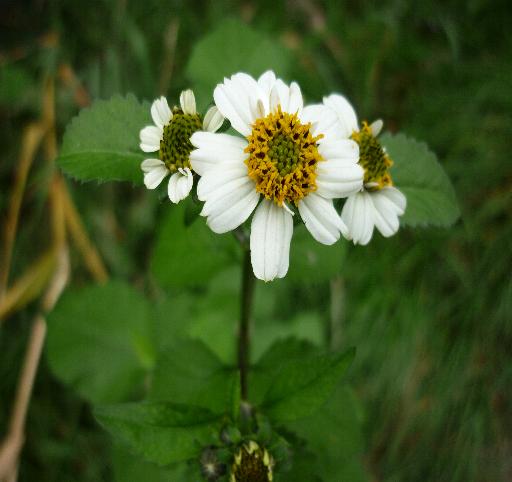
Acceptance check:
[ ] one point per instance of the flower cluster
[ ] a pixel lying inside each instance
(288, 159)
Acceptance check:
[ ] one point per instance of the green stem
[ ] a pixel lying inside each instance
(247, 291)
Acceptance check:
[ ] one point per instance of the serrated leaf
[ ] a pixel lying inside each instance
(299, 385)
(287, 349)
(129, 468)
(417, 173)
(305, 325)
(262, 374)
(234, 47)
(102, 142)
(189, 372)
(99, 341)
(312, 260)
(183, 254)
(162, 432)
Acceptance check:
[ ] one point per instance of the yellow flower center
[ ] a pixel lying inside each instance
(252, 464)
(175, 146)
(283, 155)
(373, 158)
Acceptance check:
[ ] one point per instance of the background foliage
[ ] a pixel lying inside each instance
(429, 310)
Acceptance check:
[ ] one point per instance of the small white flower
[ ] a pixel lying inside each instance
(378, 204)
(288, 156)
(170, 137)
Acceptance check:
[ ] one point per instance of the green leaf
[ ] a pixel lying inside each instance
(234, 47)
(171, 319)
(162, 432)
(102, 142)
(306, 325)
(313, 261)
(99, 341)
(262, 374)
(192, 211)
(189, 255)
(417, 173)
(299, 383)
(333, 433)
(128, 468)
(209, 315)
(302, 469)
(189, 372)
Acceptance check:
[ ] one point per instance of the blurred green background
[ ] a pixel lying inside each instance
(429, 310)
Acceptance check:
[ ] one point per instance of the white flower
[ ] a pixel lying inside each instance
(288, 156)
(379, 203)
(170, 137)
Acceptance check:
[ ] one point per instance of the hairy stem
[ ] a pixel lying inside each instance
(247, 291)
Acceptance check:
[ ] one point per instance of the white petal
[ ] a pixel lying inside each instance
(150, 138)
(338, 178)
(212, 120)
(230, 197)
(258, 102)
(260, 109)
(266, 81)
(160, 112)
(188, 102)
(150, 164)
(385, 220)
(358, 215)
(219, 196)
(237, 100)
(230, 205)
(288, 209)
(288, 97)
(396, 197)
(312, 113)
(324, 122)
(213, 179)
(321, 219)
(154, 177)
(340, 149)
(295, 102)
(275, 100)
(376, 127)
(389, 204)
(346, 114)
(213, 149)
(180, 185)
(271, 234)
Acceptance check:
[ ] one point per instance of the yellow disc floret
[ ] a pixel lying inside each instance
(175, 146)
(252, 464)
(283, 155)
(373, 158)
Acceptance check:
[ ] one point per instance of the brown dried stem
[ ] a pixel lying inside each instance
(31, 140)
(11, 448)
(78, 233)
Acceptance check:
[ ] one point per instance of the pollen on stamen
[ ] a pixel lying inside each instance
(373, 158)
(175, 146)
(283, 155)
(252, 464)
